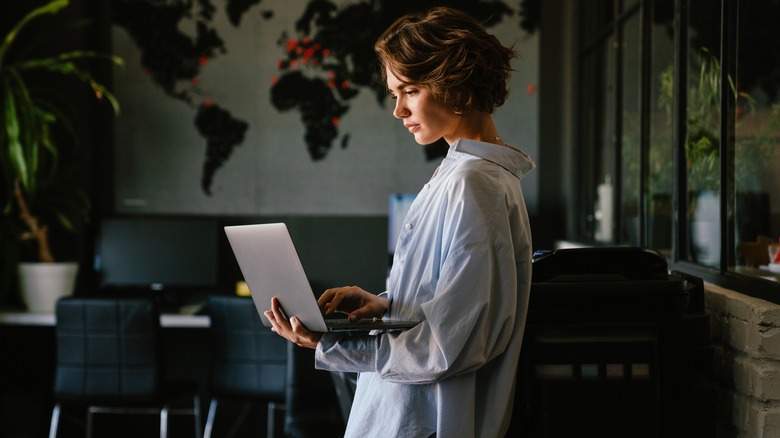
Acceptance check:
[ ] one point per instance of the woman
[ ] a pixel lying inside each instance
(463, 260)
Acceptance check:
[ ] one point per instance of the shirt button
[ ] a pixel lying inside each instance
(408, 226)
(427, 186)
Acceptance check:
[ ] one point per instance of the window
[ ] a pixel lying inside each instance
(754, 116)
(678, 131)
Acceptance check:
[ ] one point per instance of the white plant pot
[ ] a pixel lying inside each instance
(42, 284)
(705, 229)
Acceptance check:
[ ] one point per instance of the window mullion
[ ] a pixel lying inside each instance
(727, 103)
(645, 109)
(617, 136)
(680, 103)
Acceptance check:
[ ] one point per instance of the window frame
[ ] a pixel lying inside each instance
(679, 256)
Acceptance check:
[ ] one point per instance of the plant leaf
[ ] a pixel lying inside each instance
(50, 8)
(63, 64)
(12, 132)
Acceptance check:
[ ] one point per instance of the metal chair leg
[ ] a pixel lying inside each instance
(164, 422)
(271, 420)
(55, 421)
(89, 421)
(196, 414)
(210, 418)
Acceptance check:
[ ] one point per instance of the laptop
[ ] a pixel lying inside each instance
(271, 268)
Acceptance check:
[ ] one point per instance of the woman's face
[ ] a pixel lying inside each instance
(425, 117)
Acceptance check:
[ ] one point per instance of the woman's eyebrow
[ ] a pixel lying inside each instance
(400, 87)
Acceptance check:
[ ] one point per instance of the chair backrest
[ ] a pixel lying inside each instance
(248, 359)
(107, 350)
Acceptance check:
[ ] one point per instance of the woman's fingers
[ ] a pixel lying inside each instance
(291, 329)
(332, 299)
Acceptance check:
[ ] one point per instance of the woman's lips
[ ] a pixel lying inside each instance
(412, 127)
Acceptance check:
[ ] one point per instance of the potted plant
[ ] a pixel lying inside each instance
(37, 120)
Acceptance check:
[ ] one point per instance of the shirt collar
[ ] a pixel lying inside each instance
(510, 158)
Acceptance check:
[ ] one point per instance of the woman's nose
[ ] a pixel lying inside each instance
(400, 111)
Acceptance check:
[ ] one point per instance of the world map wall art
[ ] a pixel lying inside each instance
(266, 107)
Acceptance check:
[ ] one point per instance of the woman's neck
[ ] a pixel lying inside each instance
(479, 126)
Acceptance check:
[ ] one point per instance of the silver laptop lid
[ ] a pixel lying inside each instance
(271, 267)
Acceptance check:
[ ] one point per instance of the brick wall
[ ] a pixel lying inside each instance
(746, 365)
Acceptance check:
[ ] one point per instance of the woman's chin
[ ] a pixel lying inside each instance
(423, 141)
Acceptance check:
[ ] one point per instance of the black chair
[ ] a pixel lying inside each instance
(108, 358)
(313, 409)
(249, 361)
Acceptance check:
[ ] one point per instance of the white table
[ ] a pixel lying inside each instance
(167, 320)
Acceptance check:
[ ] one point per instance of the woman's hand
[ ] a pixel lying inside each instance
(291, 330)
(353, 301)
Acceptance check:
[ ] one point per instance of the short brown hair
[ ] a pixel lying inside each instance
(451, 54)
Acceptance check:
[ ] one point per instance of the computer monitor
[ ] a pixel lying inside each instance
(157, 253)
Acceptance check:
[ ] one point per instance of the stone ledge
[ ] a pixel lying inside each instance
(746, 308)
(744, 323)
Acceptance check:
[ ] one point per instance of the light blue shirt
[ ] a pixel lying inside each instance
(462, 266)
